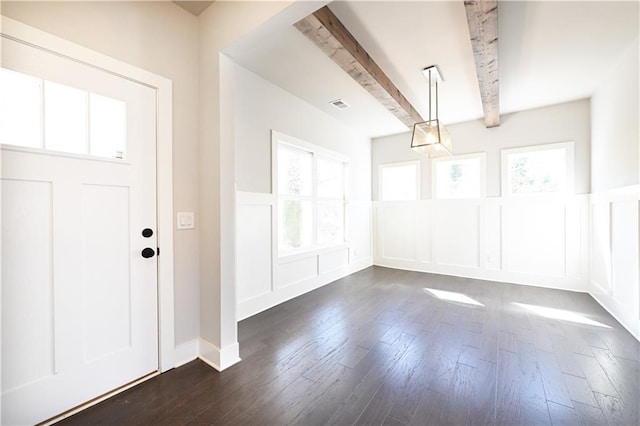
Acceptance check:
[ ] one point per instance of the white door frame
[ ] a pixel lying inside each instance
(18, 31)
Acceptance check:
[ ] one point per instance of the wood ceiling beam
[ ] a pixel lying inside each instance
(482, 17)
(326, 31)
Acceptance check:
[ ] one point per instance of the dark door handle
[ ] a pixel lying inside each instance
(147, 232)
(148, 252)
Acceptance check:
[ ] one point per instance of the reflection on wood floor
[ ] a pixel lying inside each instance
(385, 346)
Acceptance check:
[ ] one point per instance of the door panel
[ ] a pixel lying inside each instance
(79, 302)
(27, 293)
(106, 281)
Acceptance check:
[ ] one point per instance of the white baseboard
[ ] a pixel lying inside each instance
(576, 284)
(263, 302)
(220, 359)
(186, 352)
(631, 324)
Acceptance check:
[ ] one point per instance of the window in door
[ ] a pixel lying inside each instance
(42, 114)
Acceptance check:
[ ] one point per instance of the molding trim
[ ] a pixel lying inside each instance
(267, 300)
(608, 304)
(220, 359)
(186, 352)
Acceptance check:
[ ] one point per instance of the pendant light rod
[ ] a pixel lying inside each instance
(436, 99)
(432, 73)
(429, 94)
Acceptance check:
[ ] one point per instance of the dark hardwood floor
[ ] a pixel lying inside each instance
(376, 348)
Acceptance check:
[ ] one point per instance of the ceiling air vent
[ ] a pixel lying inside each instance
(340, 104)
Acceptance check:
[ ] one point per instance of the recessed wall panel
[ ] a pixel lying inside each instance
(601, 246)
(493, 238)
(535, 238)
(333, 260)
(398, 236)
(424, 230)
(106, 278)
(27, 283)
(359, 230)
(253, 251)
(456, 232)
(296, 271)
(625, 253)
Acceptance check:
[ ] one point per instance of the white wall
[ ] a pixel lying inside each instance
(162, 38)
(615, 207)
(263, 279)
(540, 241)
(557, 123)
(615, 129)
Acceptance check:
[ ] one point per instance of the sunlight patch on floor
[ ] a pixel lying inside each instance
(561, 314)
(451, 296)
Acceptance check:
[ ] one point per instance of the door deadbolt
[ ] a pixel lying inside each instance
(148, 252)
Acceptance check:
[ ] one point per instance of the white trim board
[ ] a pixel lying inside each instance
(39, 39)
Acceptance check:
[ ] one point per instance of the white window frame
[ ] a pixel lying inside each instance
(317, 152)
(416, 163)
(481, 156)
(569, 148)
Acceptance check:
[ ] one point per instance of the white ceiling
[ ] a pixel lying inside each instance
(549, 52)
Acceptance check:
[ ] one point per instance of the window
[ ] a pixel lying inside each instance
(542, 169)
(20, 109)
(399, 181)
(310, 184)
(461, 176)
(41, 114)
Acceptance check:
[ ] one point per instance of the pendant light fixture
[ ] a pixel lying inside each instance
(430, 137)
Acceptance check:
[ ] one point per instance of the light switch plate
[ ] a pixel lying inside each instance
(186, 220)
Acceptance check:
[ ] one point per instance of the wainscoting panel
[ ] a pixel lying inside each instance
(397, 227)
(292, 272)
(424, 245)
(265, 280)
(457, 233)
(624, 251)
(601, 246)
(254, 251)
(541, 241)
(359, 232)
(493, 234)
(535, 237)
(615, 254)
(333, 260)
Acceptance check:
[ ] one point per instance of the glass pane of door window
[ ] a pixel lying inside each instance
(330, 222)
(295, 172)
(330, 179)
(65, 118)
(458, 178)
(108, 126)
(295, 224)
(399, 182)
(536, 172)
(20, 109)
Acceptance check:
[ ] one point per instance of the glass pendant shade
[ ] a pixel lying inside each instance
(432, 139)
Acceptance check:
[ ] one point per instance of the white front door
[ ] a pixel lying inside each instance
(78, 182)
